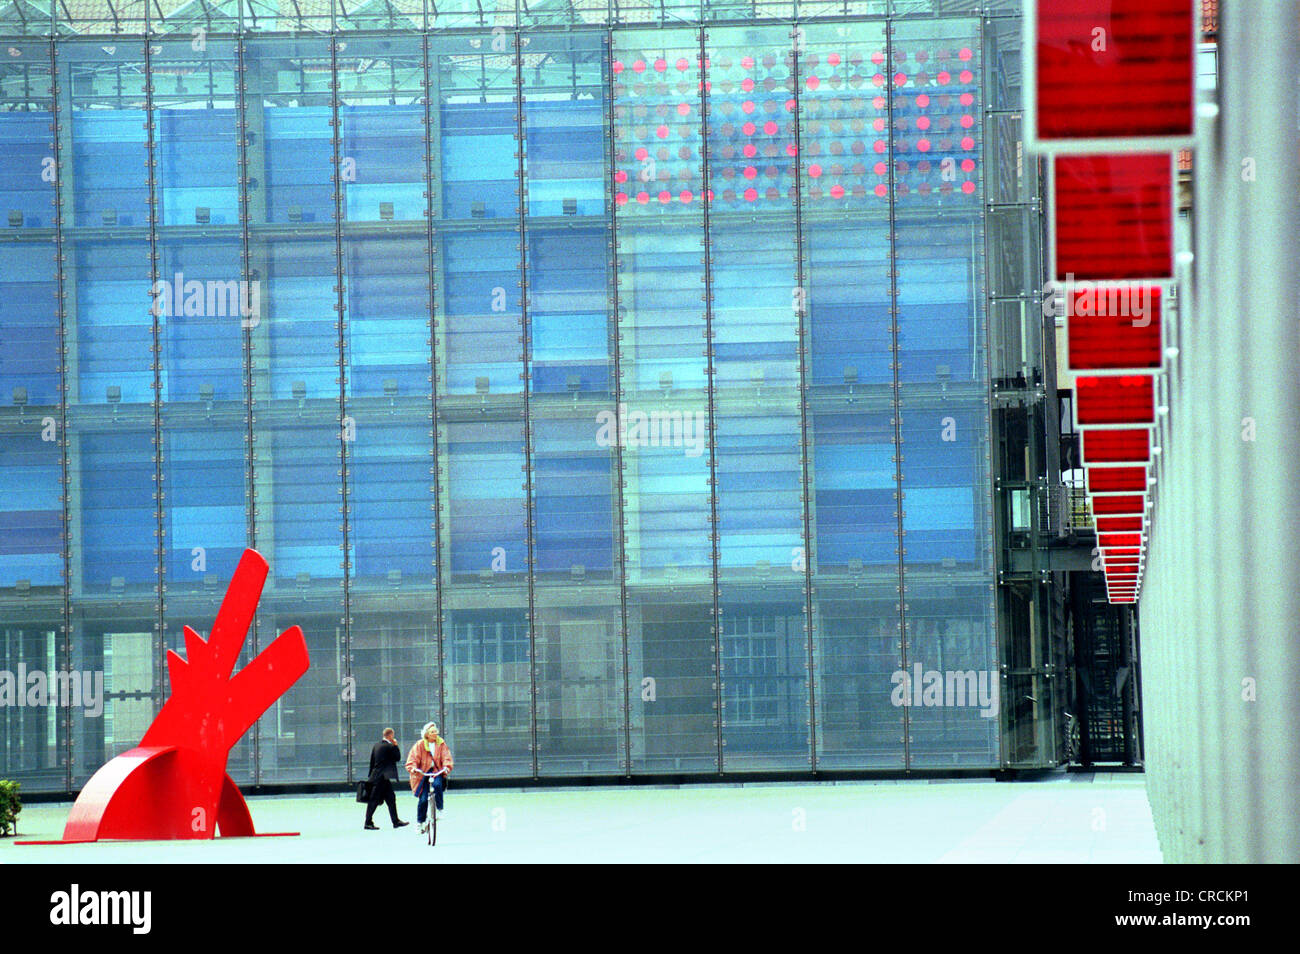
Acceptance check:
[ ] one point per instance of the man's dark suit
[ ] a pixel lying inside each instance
(383, 772)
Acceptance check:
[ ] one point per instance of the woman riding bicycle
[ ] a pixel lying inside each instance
(428, 761)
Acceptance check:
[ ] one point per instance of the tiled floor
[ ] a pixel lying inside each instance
(1078, 819)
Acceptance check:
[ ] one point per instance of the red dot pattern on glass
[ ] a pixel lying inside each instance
(917, 115)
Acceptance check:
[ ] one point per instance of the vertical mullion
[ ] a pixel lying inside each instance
(160, 543)
(620, 485)
(245, 217)
(896, 409)
(801, 316)
(432, 206)
(341, 342)
(715, 626)
(988, 147)
(525, 330)
(63, 647)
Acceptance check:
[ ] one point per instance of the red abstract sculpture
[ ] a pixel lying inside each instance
(174, 784)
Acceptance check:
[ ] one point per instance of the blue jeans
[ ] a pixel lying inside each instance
(422, 793)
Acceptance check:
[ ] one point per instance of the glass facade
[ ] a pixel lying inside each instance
(609, 383)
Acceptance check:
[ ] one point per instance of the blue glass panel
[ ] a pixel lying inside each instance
(382, 166)
(31, 513)
(936, 304)
(483, 313)
(204, 512)
(387, 294)
(117, 515)
(113, 322)
(29, 332)
(855, 480)
(569, 308)
(480, 170)
(299, 284)
(849, 302)
(305, 506)
(943, 492)
(109, 151)
(390, 498)
(573, 501)
(486, 499)
(198, 161)
(204, 305)
(299, 163)
(27, 170)
(566, 143)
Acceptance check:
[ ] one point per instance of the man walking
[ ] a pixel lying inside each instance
(383, 772)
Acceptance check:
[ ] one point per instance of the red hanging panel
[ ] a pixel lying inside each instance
(1119, 506)
(1119, 524)
(1132, 446)
(1116, 480)
(1112, 69)
(1113, 217)
(1114, 327)
(1107, 401)
(1105, 540)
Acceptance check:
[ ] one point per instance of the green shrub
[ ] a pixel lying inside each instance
(10, 806)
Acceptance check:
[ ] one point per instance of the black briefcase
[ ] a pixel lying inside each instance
(363, 792)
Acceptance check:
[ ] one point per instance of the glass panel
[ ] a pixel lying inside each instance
(31, 754)
(110, 330)
(579, 648)
(947, 532)
(107, 171)
(1013, 172)
(483, 469)
(114, 577)
(664, 408)
(381, 110)
(753, 250)
(485, 601)
(393, 604)
(855, 585)
(1003, 39)
(297, 431)
(31, 594)
(204, 304)
(580, 687)
(27, 172)
(29, 338)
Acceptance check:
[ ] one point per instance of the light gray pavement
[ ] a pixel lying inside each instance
(1071, 819)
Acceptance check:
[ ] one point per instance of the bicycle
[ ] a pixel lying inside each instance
(432, 817)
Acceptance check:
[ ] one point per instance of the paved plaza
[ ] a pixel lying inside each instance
(1079, 818)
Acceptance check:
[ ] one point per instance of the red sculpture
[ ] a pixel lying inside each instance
(174, 784)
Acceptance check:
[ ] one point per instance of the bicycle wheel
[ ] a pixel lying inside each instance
(433, 826)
